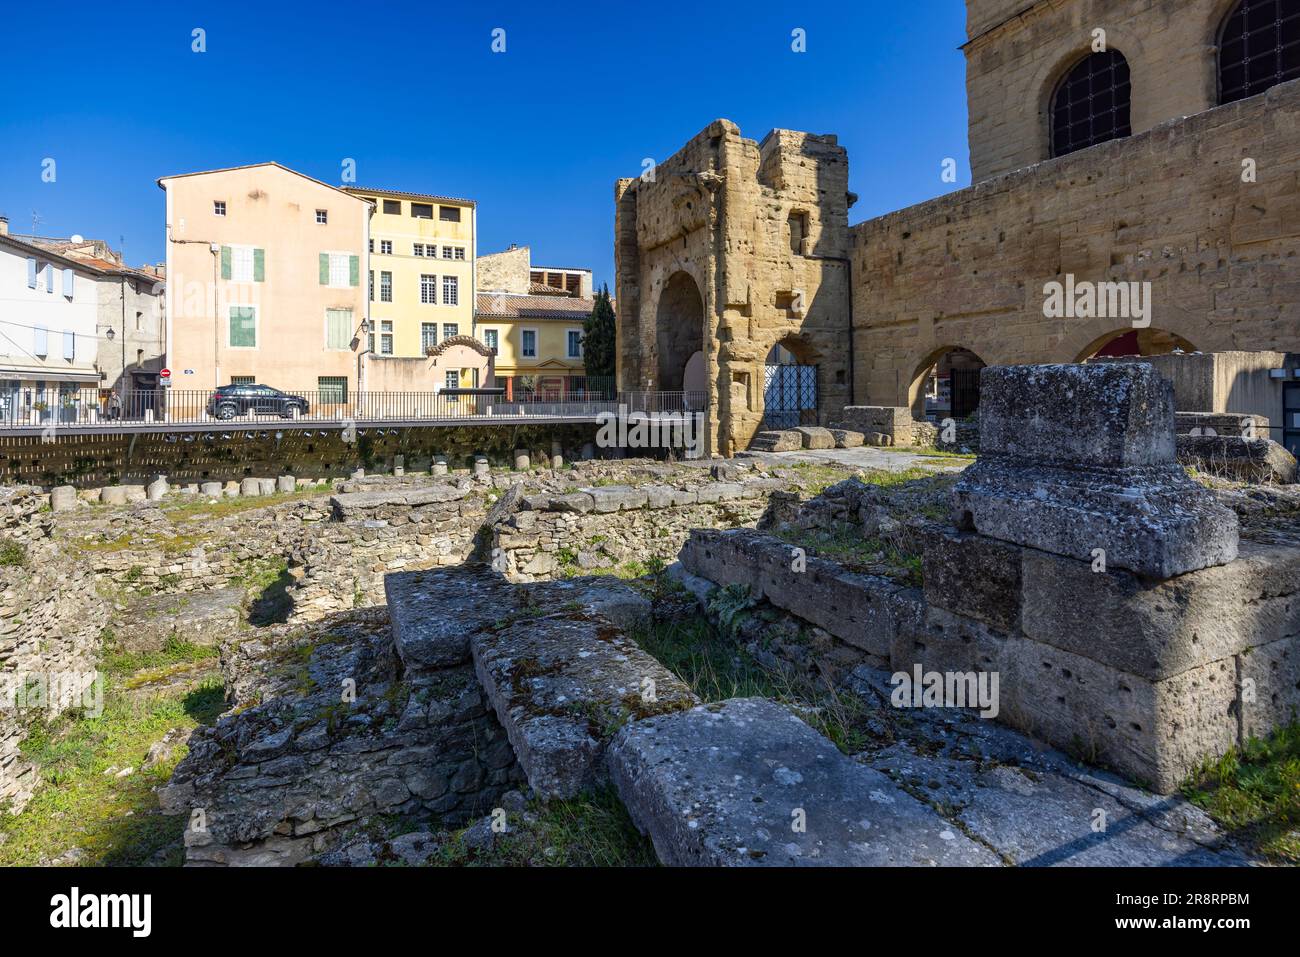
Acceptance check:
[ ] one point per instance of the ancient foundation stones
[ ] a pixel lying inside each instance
(434, 613)
(815, 437)
(722, 784)
(1079, 460)
(1253, 460)
(777, 441)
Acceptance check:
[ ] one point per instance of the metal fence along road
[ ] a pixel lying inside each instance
(88, 410)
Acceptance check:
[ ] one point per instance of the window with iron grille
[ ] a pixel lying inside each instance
(1259, 47)
(1092, 103)
(332, 389)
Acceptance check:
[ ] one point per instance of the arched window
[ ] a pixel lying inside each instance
(1258, 48)
(1091, 104)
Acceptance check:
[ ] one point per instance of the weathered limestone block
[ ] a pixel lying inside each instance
(848, 439)
(617, 498)
(973, 575)
(210, 489)
(894, 422)
(1254, 460)
(434, 613)
(521, 460)
(285, 483)
(1157, 629)
(113, 495)
(1077, 458)
(63, 498)
(815, 437)
(777, 441)
(267, 486)
(562, 685)
(157, 489)
(250, 487)
(718, 786)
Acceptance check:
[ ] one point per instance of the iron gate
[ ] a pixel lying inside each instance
(964, 386)
(1291, 417)
(789, 396)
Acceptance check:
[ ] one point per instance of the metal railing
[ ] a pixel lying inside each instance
(44, 409)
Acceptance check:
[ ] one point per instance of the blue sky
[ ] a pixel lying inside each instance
(413, 92)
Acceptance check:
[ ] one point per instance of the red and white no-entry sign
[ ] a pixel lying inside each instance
(165, 374)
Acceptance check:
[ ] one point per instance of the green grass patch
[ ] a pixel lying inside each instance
(123, 664)
(199, 506)
(591, 830)
(82, 804)
(1254, 794)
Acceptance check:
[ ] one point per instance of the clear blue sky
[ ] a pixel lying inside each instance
(413, 92)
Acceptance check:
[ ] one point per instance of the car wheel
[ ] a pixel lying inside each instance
(226, 411)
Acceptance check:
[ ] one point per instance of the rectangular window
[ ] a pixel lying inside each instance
(385, 287)
(322, 216)
(421, 211)
(333, 389)
(241, 263)
(386, 337)
(490, 339)
(31, 273)
(453, 378)
(428, 289)
(529, 342)
(428, 336)
(460, 252)
(242, 379)
(218, 207)
(575, 344)
(449, 214)
(69, 279)
(370, 245)
(450, 291)
(393, 207)
(418, 249)
(338, 328)
(450, 329)
(386, 247)
(69, 345)
(371, 282)
(446, 252)
(243, 327)
(339, 263)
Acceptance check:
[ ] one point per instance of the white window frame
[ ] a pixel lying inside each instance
(428, 341)
(257, 322)
(460, 253)
(382, 274)
(385, 247)
(494, 332)
(452, 325)
(523, 348)
(218, 207)
(335, 256)
(569, 354)
(433, 289)
(237, 254)
(322, 217)
(453, 288)
(386, 333)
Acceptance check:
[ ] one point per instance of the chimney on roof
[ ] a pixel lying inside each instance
(4, 225)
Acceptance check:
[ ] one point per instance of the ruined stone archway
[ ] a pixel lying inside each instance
(1134, 342)
(679, 325)
(946, 383)
(790, 384)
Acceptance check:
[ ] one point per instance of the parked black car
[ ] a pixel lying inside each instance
(232, 400)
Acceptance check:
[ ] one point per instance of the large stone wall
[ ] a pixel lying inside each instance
(266, 448)
(1018, 52)
(50, 622)
(1167, 207)
(710, 260)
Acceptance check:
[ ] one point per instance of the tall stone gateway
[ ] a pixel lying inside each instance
(725, 251)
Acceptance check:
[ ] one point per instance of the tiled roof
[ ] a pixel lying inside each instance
(513, 306)
(358, 190)
(541, 289)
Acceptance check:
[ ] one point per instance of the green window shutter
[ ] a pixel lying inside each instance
(324, 269)
(354, 270)
(338, 328)
(225, 262)
(259, 265)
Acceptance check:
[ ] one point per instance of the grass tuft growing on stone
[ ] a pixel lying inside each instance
(1254, 794)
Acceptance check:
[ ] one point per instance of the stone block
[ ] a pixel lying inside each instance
(1234, 424)
(777, 441)
(210, 489)
(973, 575)
(522, 461)
(1270, 687)
(720, 784)
(1108, 416)
(63, 498)
(1152, 520)
(286, 483)
(434, 613)
(250, 487)
(267, 486)
(157, 489)
(1253, 460)
(113, 495)
(1158, 629)
(848, 439)
(815, 437)
(617, 498)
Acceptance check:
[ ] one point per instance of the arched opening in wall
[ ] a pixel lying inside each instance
(789, 386)
(1091, 103)
(1124, 343)
(679, 330)
(947, 385)
(1259, 47)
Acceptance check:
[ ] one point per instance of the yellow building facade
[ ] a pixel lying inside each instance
(537, 340)
(421, 274)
